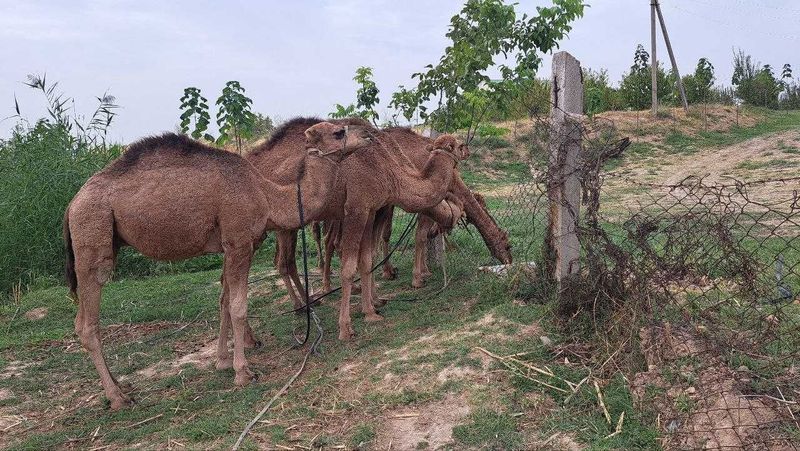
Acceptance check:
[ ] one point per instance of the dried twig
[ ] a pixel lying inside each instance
(146, 420)
(601, 402)
(618, 429)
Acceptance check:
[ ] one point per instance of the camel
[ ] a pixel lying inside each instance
(417, 148)
(172, 198)
(367, 182)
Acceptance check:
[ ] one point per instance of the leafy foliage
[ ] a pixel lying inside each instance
(194, 109)
(754, 83)
(41, 168)
(60, 109)
(366, 98)
(698, 85)
(636, 86)
(234, 118)
(598, 95)
(483, 31)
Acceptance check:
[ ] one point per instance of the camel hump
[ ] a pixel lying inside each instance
(170, 146)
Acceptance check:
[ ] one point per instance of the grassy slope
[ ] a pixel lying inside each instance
(424, 355)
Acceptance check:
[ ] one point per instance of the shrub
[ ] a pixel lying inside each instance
(754, 83)
(485, 130)
(636, 86)
(698, 85)
(40, 172)
(599, 96)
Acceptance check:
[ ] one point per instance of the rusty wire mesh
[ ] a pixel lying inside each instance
(700, 280)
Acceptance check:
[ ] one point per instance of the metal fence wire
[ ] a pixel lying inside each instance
(703, 275)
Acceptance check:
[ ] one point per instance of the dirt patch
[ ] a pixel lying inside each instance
(36, 314)
(699, 398)
(717, 163)
(203, 357)
(431, 424)
(14, 368)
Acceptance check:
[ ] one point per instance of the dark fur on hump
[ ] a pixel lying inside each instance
(280, 133)
(302, 123)
(408, 130)
(169, 142)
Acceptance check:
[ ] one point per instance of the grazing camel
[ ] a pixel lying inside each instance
(417, 147)
(172, 198)
(367, 182)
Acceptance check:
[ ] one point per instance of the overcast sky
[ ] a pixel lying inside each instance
(298, 57)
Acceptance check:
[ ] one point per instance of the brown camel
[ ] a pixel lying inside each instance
(172, 198)
(418, 148)
(367, 182)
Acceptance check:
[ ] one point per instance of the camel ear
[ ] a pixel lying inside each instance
(429, 147)
(312, 135)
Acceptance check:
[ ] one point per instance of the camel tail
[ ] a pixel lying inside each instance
(69, 266)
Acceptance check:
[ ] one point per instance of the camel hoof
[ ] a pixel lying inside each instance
(378, 302)
(373, 318)
(121, 402)
(244, 378)
(224, 364)
(418, 283)
(390, 273)
(253, 343)
(347, 334)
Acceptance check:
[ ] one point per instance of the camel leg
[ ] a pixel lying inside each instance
(385, 233)
(316, 230)
(353, 228)
(236, 267)
(365, 258)
(421, 272)
(284, 258)
(294, 275)
(330, 246)
(93, 268)
(224, 360)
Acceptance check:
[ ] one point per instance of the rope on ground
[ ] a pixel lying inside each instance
(312, 349)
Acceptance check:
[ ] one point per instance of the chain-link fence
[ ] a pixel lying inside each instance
(696, 283)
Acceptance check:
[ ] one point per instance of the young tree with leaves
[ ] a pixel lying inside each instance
(366, 98)
(234, 118)
(636, 86)
(483, 31)
(194, 109)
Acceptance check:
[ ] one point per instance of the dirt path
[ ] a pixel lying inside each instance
(717, 163)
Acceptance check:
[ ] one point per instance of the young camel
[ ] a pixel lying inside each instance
(172, 198)
(367, 182)
(417, 147)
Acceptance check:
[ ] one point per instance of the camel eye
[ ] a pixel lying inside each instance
(339, 134)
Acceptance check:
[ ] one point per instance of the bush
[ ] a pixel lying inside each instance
(636, 86)
(599, 96)
(485, 130)
(41, 169)
(755, 84)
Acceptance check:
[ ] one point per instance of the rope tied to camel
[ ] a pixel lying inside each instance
(310, 314)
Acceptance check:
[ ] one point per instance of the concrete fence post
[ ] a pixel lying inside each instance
(564, 187)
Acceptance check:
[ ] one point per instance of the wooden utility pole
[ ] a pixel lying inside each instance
(564, 187)
(654, 61)
(672, 56)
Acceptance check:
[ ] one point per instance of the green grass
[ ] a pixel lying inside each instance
(328, 407)
(487, 429)
(775, 163)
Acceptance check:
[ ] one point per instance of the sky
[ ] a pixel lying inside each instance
(299, 57)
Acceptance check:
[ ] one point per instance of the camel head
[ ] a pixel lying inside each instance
(336, 141)
(451, 145)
